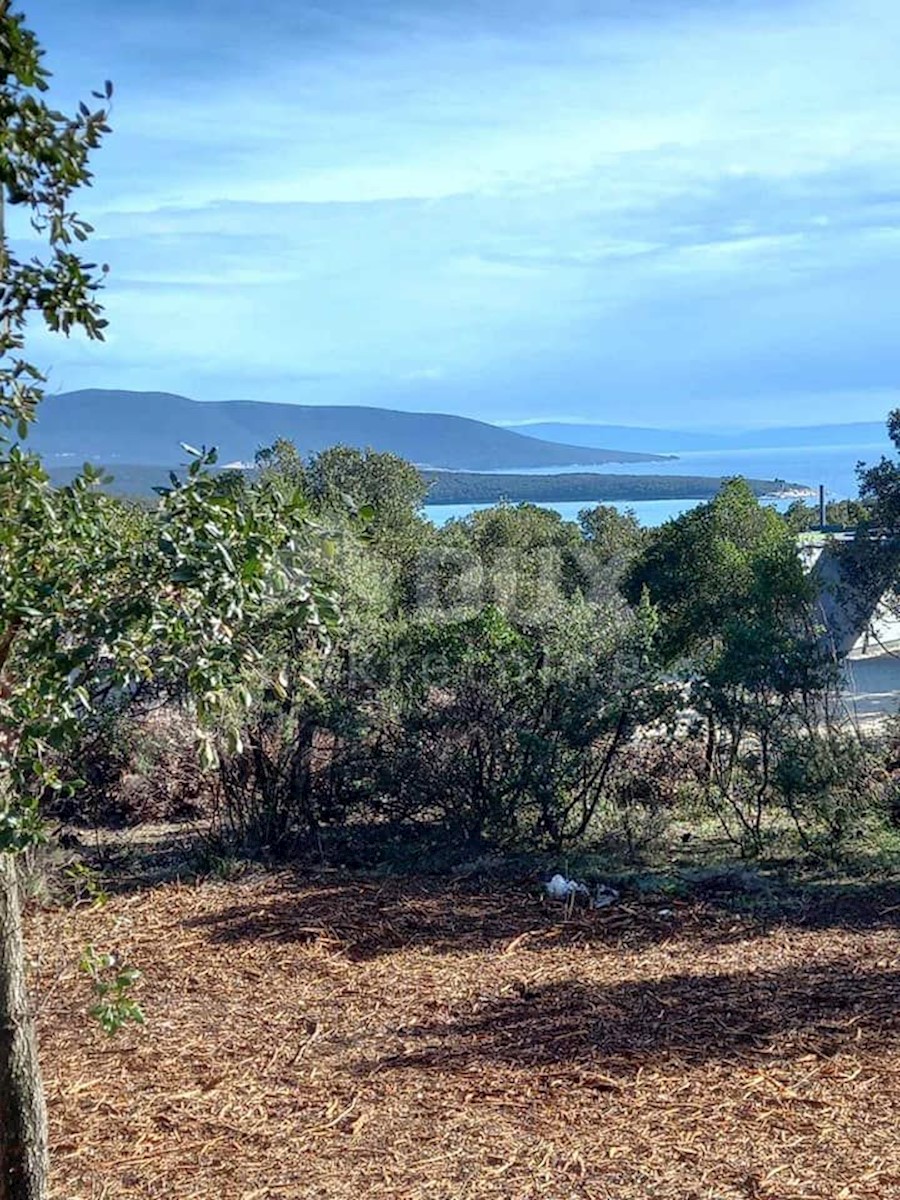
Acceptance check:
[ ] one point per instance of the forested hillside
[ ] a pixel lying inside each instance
(147, 428)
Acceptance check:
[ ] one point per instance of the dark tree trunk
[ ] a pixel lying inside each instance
(23, 1113)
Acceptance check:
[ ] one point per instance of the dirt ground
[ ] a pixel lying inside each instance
(436, 1039)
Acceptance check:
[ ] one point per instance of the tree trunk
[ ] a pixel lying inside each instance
(23, 1113)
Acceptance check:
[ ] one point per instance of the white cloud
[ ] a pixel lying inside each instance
(531, 193)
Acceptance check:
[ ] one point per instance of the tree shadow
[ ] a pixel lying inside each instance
(367, 919)
(839, 904)
(683, 1019)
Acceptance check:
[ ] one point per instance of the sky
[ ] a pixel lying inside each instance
(653, 212)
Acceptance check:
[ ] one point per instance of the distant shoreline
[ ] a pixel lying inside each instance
(475, 487)
(469, 487)
(792, 491)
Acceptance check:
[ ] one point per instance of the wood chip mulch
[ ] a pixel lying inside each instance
(426, 1039)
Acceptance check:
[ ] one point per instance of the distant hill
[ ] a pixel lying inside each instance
(146, 428)
(675, 441)
(473, 487)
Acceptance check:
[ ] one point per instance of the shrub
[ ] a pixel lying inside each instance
(832, 784)
(506, 734)
(133, 765)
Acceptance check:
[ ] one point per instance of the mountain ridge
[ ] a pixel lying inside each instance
(147, 428)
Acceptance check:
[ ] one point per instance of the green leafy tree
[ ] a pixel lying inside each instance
(737, 615)
(388, 491)
(95, 598)
(508, 732)
(521, 558)
(43, 159)
(614, 537)
(879, 484)
(716, 568)
(283, 459)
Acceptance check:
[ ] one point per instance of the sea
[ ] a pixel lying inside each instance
(809, 466)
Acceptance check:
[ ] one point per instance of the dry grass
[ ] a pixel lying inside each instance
(423, 1040)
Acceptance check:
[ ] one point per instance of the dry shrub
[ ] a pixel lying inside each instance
(653, 779)
(135, 767)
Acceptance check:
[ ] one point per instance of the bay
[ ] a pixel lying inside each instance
(833, 466)
(649, 513)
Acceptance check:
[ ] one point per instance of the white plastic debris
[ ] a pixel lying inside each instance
(560, 888)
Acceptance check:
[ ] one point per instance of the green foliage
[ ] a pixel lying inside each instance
(94, 600)
(515, 699)
(384, 490)
(831, 784)
(44, 158)
(879, 485)
(736, 614)
(86, 885)
(112, 984)
(839, 514)
(283, 460)
(506, 732)
(718, 568)
(614, 537)
(522, 559)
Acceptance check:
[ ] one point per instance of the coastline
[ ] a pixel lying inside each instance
(468, 487)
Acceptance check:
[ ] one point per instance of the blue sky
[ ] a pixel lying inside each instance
(676, 212)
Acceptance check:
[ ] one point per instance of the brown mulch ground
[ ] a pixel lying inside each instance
(432, 1040)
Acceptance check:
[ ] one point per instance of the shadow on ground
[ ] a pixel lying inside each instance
(759, 1014)
(368, 919)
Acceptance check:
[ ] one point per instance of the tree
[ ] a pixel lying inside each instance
(715, 567)
(522, 558)
(614, 537)
(283, 458)
(736, 615)
(43, 159)
(94, 598)
(389, 490)
(879, 485)
(508, 732)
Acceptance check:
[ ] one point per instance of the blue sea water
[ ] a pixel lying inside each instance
(648, 512)
(833, 466)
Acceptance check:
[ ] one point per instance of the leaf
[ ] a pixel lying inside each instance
(280, 684)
